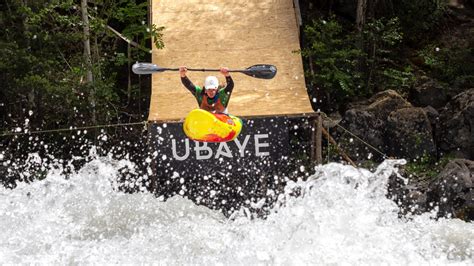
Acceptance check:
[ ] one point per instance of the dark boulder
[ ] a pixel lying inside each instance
(408, 193)
(453, 191)
(364, 124)
(389, 123)
(433, 116)
(385, 102)
(455, 131)
(409, 134)
(429, 93)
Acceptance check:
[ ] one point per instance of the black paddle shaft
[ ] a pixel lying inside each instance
(261, 71)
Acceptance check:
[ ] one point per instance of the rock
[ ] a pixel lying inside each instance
(429, 93)
(409, 134)
(456, 4)
(367, 120)
(332, 120)
(432, 114)
(453, 191)
(365, 125)
(409, 195)
(455, 132)
(385, 102)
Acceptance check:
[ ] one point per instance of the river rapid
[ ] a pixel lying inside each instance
(341, 216)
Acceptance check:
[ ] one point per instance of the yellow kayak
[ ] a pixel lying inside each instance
(201, 125)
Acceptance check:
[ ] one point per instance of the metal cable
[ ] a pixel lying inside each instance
(7, 133)
(355, 136)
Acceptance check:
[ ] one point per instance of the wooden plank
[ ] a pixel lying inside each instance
(231, 19)
(241, 104)
(199, 6)
(228, 40)
(296, 115)
(319, 140)
(236, 34)
(299, 19)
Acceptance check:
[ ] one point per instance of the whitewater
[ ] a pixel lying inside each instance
(341, 216)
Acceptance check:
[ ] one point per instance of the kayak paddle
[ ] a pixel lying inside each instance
(260, 71)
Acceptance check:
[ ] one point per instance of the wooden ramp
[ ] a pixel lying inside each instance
(234, 34)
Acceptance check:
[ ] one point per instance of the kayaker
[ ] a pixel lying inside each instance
(212, 97)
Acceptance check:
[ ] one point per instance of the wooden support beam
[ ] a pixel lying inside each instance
(316, 140)
(341, 152)
(319, 140)
(299, 20)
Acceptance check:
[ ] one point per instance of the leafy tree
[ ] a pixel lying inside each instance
(419, 18)
(42, 64)
(335, 56)
(382, 39)
(356, 63)
(453, 65)
(36, 69)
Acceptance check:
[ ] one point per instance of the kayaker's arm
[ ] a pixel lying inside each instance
(188, 84)
(228, 79)
(185, 80)
(230, 85)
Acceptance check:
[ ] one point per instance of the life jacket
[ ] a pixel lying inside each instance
(214, 105)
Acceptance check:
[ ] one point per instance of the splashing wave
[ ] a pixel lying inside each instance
(341, 216)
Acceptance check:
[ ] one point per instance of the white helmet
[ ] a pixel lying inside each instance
(211, 82)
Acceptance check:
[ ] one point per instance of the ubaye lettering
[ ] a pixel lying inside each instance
(250, 145)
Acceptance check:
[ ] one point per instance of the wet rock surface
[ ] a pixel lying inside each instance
(391, 124)
(455, 131)
(453, 190)
(450, 193)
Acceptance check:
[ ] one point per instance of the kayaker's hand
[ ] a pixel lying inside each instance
(182, 71)
(225, 71)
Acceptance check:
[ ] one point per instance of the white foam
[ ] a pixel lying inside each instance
(341, 217)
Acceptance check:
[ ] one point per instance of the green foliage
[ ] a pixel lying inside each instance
(132, 15)
(419, 17)
(423, 167)
(38, 45)
(382, 38)
(349, 64)
(41, 43)
(384, 33)
(453, 65)
(427, 167)
(334, 55)
(398, 79)
(157, 35)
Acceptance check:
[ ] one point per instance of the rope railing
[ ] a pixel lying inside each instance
(28, 132)
(145, 123)
(385, 156)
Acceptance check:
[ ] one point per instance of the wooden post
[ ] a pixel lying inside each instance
(316, 140)
(319, 140)
(151, 148)
(296, 5)
(150, 14)
(341, 152)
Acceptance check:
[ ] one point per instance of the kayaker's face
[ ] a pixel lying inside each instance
(211, 92)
